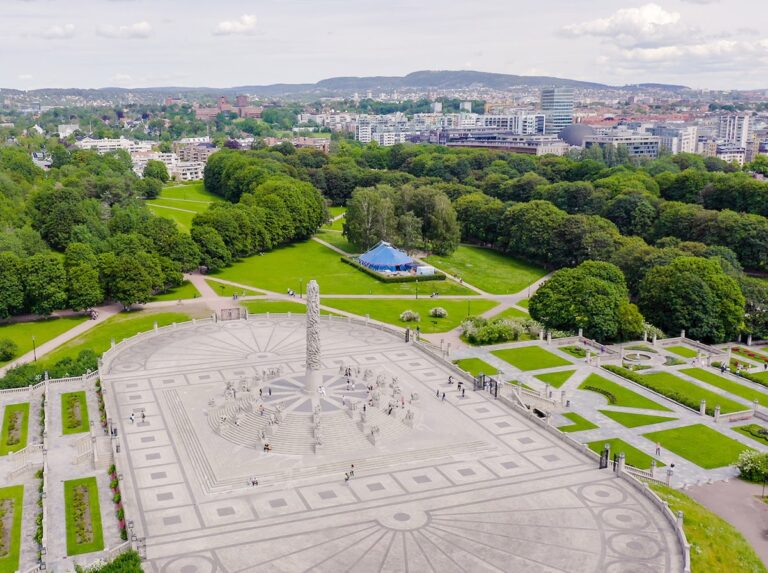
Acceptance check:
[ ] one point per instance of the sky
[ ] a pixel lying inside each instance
(717, 44)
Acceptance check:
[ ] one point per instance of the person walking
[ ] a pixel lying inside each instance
(658, 449)
(346, 477)
(132, 417)
(352, 471)
(443, 398)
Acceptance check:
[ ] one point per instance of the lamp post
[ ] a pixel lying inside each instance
(34, 347)
(417, 289)
(301, 288)
(469, 308)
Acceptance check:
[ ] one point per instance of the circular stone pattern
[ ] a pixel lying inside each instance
(624, 518)
(629, 567)
(191, 564)
(602, 494)
(634, 546)
(637, 357)
(406, 519)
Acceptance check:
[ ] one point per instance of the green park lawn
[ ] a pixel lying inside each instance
(683, 351)
(43, 331)
(753, 431)
(729, 386)
(530, 358)
(716, 545)
(700, 444)
(670, 385)
(179, 215)
(183, 292)
(194, 191)
(579, 424)
(13, 410)
(338, 240)
(476, 366)
(74, 413)
(95, 540)
(522, 303)
(228, 290)
(618, 395)
(338, 224)
(279, 306)
(556, 379)
(285, 268)
(632, 456)
(120, 326)
(9, 561)
(641, 347)
(632, 420)
(389, 310)
(488, 270)
(512, 312)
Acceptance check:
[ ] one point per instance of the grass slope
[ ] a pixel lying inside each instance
(579, 424)
(488, 270)
(530, 358)
(716, 545)
(10, 562)
(279, 306)
(700, 444)
(338, 240)
(284, 268)
(556, 379)
(730, 386)
(228, 290)
(97, 541)
(668, 384)
(623, 396)
(179, 215)
(183, 292)
(476, 366)
(632, 420)
(123, 325)
(43, 331)
(194, 191)
(632, 456)
(389, 310)
(83, 426)
(10, 410)
(512, 312)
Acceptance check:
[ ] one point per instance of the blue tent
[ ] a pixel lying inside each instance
(385, 257)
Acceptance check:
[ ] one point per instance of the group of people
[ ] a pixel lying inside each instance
(350, 474)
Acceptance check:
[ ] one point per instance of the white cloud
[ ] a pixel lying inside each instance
(127, 31)
(25, 77)
(245, 24)
(58, 32)
(648, 25)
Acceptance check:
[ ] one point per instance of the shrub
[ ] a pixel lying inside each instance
(753, 465)
(410, 316)
(609, 395)
(8, 349)
(438, 312)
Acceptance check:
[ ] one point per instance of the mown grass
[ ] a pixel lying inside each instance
(12, 410)
(97, 537)
(632, 456)
(488, 270)
(512, 312)
(227, 290)
(278, 306)
(9, 563)
(179, 215)
(700, 444)
(716, 545)
(556, 379)
(632, 420)
(530, 358)
(579, 424)
(183, 292)
(43, 331)
(389, 310)
(622, 396)
(294, 265)
(683, 351)
(338, 240)
(668, 385)
(753, 432)
(729, 386)
(476, 366)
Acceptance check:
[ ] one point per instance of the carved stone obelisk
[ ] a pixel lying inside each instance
(313, 378)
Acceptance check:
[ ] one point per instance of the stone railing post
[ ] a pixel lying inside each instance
(621, 463)
(653, 468)
(703, 408)
(717, 413)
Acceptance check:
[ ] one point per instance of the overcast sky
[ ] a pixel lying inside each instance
(137, 43)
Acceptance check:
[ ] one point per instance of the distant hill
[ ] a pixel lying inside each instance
(342, 86)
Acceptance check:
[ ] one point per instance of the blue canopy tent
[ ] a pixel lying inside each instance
(385, 257)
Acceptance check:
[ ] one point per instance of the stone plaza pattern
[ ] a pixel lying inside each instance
(460, 484)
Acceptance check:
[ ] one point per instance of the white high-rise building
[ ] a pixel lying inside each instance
(734, 129)
(557, 105)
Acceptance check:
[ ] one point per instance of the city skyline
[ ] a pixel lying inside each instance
(137, 43)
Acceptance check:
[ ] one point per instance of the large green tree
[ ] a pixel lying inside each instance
(11, 285)
(156, 170)
(695, 295)
(45, 284)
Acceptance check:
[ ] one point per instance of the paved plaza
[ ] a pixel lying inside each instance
(461, 484)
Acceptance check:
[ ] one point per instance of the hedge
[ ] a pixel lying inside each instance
(438, 276)
(609, 395)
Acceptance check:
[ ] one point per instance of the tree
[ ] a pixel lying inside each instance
(213, 252)
(695, 295)
(592, 296)
(156, 170)
(83, 287)
(127, 280)
(527, 230)
(150, 188)
(45, 284)
(8, 349)
(409, 230)
(370, 217)
(11, 285)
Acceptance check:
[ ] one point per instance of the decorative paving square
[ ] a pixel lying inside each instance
(467, 472)
(329, 495)
(421, 479)
(375, 487)
(526, 441)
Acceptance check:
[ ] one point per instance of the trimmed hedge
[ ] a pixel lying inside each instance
(438, 276)
(609, 395)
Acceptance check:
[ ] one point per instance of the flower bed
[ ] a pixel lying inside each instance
(74, 413)
(117, 499)
(102, 408)
(746, 353)
(83, 516)
(15, 423)
(11, 501)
